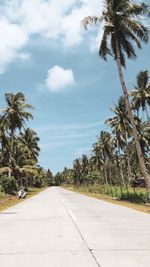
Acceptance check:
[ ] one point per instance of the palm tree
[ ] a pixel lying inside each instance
(103, 152)
(97, 159)
(29, 141)
(15, 114)
(3, 135)
(122, 129)
(141, 94)
(118, 144)
(14, 117)
(121, 30)
(77, 171)
(84, 166)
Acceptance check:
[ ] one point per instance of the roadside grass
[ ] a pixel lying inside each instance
(138, 193)
(7, 201)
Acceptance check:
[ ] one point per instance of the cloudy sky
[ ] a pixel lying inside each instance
(46, 54)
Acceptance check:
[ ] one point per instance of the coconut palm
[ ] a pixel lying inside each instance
(3, 134)
(118, 144)
(121, 128)
(141, 94)
(97, 158)
(77, 171)
(84, 166)
(14, 117)
(121, 31)
(103, 152)
(120, 123)
(29, 141)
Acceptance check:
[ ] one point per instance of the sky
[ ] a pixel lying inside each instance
(46, 54)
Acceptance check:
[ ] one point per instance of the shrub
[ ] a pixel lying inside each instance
(1, 190)
(134, 197)
(8, 184)
(38, 183)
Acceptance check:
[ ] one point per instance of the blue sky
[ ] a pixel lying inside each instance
(46, 54)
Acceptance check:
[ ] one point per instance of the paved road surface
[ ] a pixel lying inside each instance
(58, 228)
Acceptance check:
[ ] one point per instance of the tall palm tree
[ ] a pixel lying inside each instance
(121, 31)
(29, 141)
(120, 123)
(97, 158)
(141, 94)
(14, 117)
(122, 129)
(77, 171)
(3, 134)
(84, 166)
(103, 152)
(118, 144)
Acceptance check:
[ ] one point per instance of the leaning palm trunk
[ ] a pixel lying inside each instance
(147, 115)
(134, 129)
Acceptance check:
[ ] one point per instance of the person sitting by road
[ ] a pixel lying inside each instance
(22, 193)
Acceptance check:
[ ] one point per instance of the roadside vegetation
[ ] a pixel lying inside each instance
(19, 149)
(120, 162)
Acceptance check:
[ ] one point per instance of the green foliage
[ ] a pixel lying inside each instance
(134, 197)
(1, 190)
(19, 146)
(120, 193)
(37, 183)
(8, 184)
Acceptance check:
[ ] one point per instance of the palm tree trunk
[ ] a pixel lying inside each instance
(129, 168)
(10, 165)
(147, 115)
(105, 175)
(121, 173)
(119, 163)
(134, 129)
(110, 175)
(128, 160)
(9, 172)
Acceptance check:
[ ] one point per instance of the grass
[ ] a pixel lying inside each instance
(7, 201)
(106, 197)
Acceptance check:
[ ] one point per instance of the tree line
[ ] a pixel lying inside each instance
(114, 158)
(19, 146)
(124, 152)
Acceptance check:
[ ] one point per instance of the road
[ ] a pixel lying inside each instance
(59, 228)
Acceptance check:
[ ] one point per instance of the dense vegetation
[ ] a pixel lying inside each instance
(113, 166)
(122, 154)
(19, 148)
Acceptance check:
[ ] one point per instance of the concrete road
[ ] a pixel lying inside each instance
(59, 228)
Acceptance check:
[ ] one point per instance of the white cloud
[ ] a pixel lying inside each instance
(59, 78)
(13, 38)
(54, 20)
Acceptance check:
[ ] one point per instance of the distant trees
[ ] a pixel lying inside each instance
(19, 146)
(114, 159)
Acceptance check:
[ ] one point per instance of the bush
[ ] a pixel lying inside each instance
(8, 184)
(38, 183)
(1, 190)
(134, 197)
